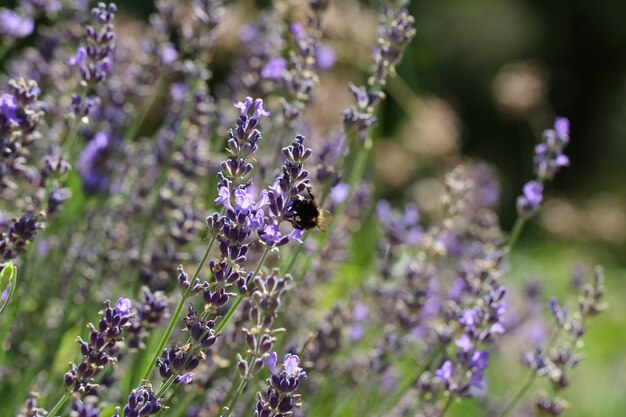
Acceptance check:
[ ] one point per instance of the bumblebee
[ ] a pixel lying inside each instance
(308, 214)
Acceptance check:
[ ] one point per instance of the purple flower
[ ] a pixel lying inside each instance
(123, 306)
(248, 33)
(549, 156)
(9, 109)
(445, 372)
(274, 68)
(223, 198)
(5, 293)
(271, 235)
(529, 203)
(339, 193)
(559, 313)
(469, 319)
(480, 360)
(244, 107)
(297, 30)
(477, 380)
(402, 229)
(142, 402)
(325, 57)
(91, 161)
(561, 127)
(83, 410)
(80, 57)
(291, 365)
(169, 53)
(184, 379)
(14, 25)
(464, 343)
(93, 58)
(359, 313)
(270, 361)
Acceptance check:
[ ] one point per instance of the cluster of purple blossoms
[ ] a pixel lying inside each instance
(284, 192)
(177, 360)
(93, 58)
(150, 311)
(243, 215)
(279, 398)
(31, 409)
(141, 402)
(395, 32)
(483, 308)
(298, 74)
(548, 160)
(100, 348)
(21, 180)
(561, 355)
(398, 230)
(261, 310)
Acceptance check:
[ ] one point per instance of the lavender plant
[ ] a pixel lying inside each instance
(119, 179)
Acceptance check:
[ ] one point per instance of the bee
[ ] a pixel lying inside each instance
(309, 214)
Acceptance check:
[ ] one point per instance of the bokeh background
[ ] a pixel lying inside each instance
(480, 82)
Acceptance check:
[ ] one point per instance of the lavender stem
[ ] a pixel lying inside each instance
(515, 232)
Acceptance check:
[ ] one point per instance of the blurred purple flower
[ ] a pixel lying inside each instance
(274, 68)
(402, 229)
(529, 202)
(445, 372)
(9, 110)
(14, 25)
(561, 127)
(291, 365)
(90, 163)
(79, 58)
(339, 193)
(297, 30)
(270, 361)
(184, 379)
(464, 343)
(169, 53)
(123, 306)
(325, 57)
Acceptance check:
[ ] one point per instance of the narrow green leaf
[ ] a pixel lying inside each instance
(6, 276)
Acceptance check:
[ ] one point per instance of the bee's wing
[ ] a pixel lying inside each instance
(324, 218)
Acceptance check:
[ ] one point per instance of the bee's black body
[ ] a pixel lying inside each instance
(308, 214)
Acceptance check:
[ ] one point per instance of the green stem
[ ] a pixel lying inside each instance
(519, 394)
(137, 123)
(447, 405)
(405, 385)
(529, 380)
(232, 401)
(515, 232)
(4, 49)
(177, 312)
(165, 386)
(59, 404)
